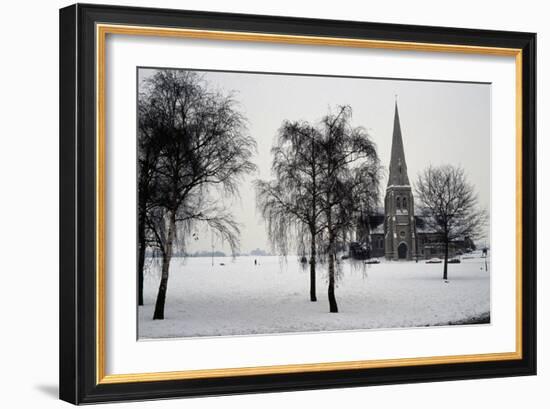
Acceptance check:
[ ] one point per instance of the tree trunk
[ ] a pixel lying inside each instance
(141, 254)
(313, 228)
(312, 262)
(446, 259)
(166, 258)
(331, 270)
(331, 296)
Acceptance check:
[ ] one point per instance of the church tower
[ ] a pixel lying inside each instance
(399, 223)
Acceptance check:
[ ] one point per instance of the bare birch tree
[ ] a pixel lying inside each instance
(148, 155)
(449, 205)
(350, 183)
(289, 203)
(324, 176)
(204, 146)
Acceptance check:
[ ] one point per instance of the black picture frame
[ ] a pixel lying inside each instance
(78, 236)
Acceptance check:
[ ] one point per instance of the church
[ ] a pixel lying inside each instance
(397, 233)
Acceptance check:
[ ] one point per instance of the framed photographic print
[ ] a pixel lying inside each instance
(257, 203)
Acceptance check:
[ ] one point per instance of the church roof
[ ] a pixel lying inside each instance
(398, 166)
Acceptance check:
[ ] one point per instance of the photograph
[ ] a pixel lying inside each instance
(277, 203)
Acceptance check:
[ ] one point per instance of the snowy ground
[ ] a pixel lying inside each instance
(241, 298)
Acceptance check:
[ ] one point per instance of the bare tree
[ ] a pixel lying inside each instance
(289, 203)
(325, 175)
(449, 205)
(350, 173)
(148, 155)
(204, 146)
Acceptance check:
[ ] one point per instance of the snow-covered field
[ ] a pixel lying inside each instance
(240, 298)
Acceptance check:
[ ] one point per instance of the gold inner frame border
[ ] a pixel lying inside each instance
(102, 30)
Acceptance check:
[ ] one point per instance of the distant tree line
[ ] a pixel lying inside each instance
(259, 252)
(215, 253)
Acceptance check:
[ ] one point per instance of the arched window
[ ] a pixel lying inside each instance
(398, 203)
(404, 203)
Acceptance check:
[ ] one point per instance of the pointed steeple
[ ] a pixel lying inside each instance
(398, 166)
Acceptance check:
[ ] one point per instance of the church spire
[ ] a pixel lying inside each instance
(398, 166)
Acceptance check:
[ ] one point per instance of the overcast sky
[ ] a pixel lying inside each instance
(441, 123)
